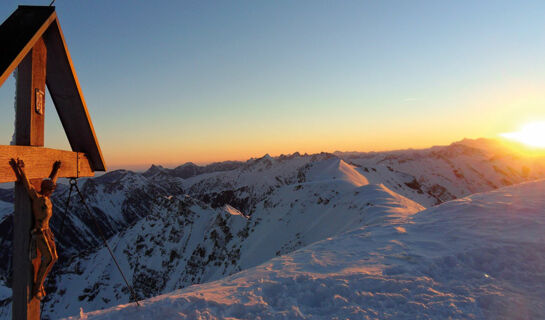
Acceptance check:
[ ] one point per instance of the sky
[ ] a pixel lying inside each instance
(168, 82)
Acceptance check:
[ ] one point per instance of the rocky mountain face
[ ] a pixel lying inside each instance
(478, 257)
(171, 228)
(435, 175)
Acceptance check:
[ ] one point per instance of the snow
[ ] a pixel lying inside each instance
(173, 228)
(5, 295)
(6, 208)
(479, 257)
(444, 173)
(170, 249)
(5, 292)
(233, 211)
(428, 176)
(337, 169)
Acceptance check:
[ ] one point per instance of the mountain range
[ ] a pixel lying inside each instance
(174, 228)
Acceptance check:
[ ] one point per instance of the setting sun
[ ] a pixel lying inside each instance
(531, 134)
(307, 159)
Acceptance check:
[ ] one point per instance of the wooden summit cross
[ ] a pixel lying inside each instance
(31, 40)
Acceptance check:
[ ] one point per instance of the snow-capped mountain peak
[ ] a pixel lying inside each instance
(173, 228)
(478, 257)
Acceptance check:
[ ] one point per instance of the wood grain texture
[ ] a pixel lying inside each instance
(39, 62)
(18, 34)
(23, 306)
(34, 305)
(23, 113)
(30, 76)
(31, 39)
(68, 99)
(39, 162)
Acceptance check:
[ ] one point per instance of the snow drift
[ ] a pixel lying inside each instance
(477, 257)
(172, 228)
(183, 241)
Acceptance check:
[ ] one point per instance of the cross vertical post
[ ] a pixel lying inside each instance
(33, 45)
(29, 131)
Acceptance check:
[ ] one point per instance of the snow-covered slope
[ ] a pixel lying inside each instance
(184, 241)
(428, 176)
(172, 228)
(432, 176)
(479, 257)
(5, 209)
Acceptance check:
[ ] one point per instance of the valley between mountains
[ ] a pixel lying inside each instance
(267, 237)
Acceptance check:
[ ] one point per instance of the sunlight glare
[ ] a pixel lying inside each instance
(531, 134)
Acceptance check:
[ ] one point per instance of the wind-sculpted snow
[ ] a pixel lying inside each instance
(337, 169)
(429, 176)
(118, 199)
(172, 228)
(184, 241)
(479, 257)
(435, 175)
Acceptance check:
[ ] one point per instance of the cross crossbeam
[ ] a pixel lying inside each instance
(32, 41)
(39, 161)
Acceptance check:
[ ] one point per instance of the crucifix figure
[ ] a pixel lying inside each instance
(42, 209)
(33, 45)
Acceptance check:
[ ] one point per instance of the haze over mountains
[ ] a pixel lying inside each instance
(172, 228)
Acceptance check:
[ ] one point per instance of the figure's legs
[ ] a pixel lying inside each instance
(54, 257)
(46, 246)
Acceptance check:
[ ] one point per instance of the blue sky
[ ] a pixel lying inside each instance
(174, 81)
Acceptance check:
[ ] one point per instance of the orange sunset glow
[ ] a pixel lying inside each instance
(308, 159)
(531, 134)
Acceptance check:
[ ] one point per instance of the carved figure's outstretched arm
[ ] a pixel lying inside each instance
(19, 168)
(55, 172)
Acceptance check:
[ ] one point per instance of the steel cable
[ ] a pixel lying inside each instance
(134, 296)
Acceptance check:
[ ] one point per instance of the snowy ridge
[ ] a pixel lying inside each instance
(429, 176)
(184, 241)
(173, 228)
(337, 169)
(479, 257)
(445, 173)
(233, 211)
